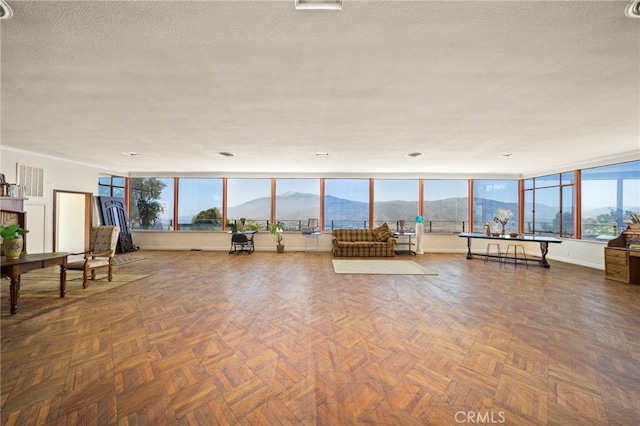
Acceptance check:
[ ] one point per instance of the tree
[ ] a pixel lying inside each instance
(567, 224)
(610, 223)
(145, 193)
(212, 215)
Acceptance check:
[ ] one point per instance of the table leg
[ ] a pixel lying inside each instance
(469, 255)
(15, 293)
(544, 248)
(63, 280)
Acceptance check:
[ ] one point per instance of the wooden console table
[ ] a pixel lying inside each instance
(30, 262)
(544, 244)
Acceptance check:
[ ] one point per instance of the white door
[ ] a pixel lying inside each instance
(71, 221)
(36, 224)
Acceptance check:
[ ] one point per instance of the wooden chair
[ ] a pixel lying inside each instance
(102, 248)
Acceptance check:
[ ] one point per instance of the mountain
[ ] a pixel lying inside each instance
(342, 209)
(301, 206)
(290, 206)
(258, 208)
(447, 209)
(391, 211)
(297, 205)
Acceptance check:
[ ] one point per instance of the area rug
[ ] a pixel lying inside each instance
(123, 259)
(40, 292)
(380, 267)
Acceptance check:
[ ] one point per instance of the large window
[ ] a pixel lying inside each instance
(395, 200)
(346, 204)
(489, 198)
(151, 203)
(445, 206)
(609, 195)
(548, 205)
(199, 204)
(249, 202)
(111, 186)
(297, 201)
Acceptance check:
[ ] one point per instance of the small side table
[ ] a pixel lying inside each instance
(307, 237)
(405, 241)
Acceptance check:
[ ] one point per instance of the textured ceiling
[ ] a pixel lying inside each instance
(556, 84)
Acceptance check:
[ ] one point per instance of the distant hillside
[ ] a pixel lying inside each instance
(301, 206)
(341, 209)
(290, 206)
(392, 211)
(297, 205)
(454, 208)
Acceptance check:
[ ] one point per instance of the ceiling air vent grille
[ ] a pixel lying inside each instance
(32, 180)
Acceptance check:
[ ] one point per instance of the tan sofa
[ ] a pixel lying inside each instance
(363, 243)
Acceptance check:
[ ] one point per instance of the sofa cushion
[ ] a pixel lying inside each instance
(382, 233)
(345, 243)
(353, 235)
(364, 243)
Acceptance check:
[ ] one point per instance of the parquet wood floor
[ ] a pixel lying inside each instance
(280, 339)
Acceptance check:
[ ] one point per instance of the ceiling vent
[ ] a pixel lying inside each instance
(5, 10)
(633, 9)
(318, 4)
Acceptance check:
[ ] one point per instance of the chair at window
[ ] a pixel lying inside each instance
(102, 248)
(241, 243)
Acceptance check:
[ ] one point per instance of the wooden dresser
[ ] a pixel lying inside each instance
(620, 262)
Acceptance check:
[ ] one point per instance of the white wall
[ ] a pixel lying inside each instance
(58, 175)
(62, 175)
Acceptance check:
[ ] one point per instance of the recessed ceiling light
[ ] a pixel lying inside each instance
(131, 154)
(507, 155)
(414, 154)
(227, 154)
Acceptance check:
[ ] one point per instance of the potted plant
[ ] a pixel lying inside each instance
(12, 241)
(277, 230)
